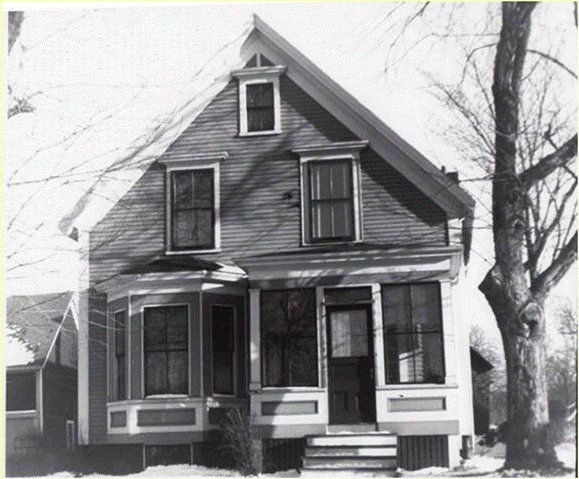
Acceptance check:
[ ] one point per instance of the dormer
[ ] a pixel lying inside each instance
(259, 97)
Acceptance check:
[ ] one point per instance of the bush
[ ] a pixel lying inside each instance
(242, 441)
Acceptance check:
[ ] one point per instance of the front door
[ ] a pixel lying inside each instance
(351, 365)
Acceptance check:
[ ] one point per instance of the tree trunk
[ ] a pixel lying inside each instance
(518, 312)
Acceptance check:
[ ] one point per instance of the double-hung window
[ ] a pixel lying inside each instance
(259, 99)
(120, 355)
(331, 192)
(331, 200)
(413, 333)
(223, 339)
(193, 218)
(166, 350)
(192, 209)
(260, 107)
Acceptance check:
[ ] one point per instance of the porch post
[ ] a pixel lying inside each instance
(254, 341)
(379, 362)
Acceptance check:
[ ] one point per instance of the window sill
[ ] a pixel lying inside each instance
(389, 387)
(258, 133)
(193, 251)
(290, 389)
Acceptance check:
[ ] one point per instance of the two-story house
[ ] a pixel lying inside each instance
(290, 255)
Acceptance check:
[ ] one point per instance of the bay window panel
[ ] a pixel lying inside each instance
(156, 373)
(166, 350)
(177, 372)
(120, 354)
(223, 340)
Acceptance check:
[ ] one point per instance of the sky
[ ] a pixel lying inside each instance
(116, 68)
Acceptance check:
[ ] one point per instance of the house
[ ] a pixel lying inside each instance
(291, 256)
(41, 383)
(481, 391)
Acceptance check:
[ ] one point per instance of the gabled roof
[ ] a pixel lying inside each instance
(39, 318)
(444, 191)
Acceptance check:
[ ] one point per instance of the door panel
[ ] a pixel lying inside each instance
(351, 366)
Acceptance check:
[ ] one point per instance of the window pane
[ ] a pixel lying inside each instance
(20, 391)
(223, 349)
(177, 372)
(182, 189)
(433, 365)
(155, 329)
(320, 183)
(426, 306)
(156, 373)
(120, 325)
(204, 228)
(396, 308)
(347, 295)
(342, 219)
(176, 318)
(259, 95)
(289, 337)
(341, 182)
(260, 119)
(184, 228)
(121, 378)
(349, 331)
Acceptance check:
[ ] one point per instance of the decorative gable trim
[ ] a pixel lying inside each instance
(456, 202)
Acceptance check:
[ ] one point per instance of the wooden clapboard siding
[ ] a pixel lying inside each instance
(97, 367)
(260, 171)
(395, 212)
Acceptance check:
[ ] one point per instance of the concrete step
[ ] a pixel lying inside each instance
(350, 439)
(348, 473)
(351, 451)
(350, 463)
(352, 428)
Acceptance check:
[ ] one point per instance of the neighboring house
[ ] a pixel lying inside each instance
(289, 255)
(481, 391)
(41, 388)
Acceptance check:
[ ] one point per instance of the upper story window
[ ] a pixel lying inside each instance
(259, 97)
(193, 217)
(331, 197)
(413, 333)
(192, 209)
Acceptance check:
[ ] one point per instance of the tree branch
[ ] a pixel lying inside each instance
(555, 61)
(557, 269)
(546, 165)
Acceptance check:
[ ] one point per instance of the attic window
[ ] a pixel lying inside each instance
(259, 97)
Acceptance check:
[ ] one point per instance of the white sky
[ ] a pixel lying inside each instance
(119, 67)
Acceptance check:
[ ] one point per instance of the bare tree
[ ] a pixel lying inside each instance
(522, 137)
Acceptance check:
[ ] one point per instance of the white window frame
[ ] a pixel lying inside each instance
(336, 151)
(143, 372)
(254, 76)
(196, 162)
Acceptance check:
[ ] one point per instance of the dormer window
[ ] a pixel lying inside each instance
(259, 98)
(331, 205)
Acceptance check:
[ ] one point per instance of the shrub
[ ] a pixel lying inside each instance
(242, 441)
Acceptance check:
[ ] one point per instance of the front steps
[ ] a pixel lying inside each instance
(370, 454)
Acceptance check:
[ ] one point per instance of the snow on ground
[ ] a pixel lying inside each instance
(485, 463)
